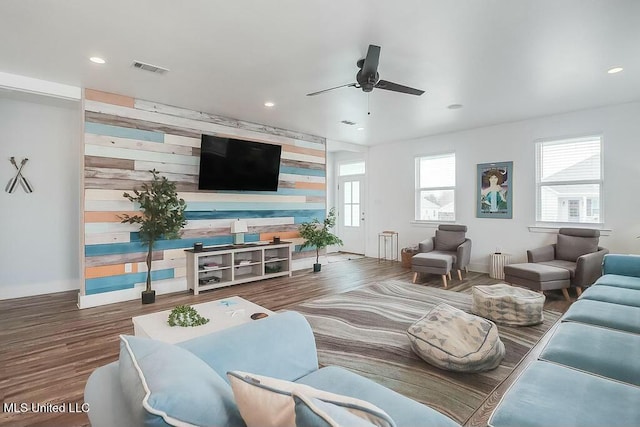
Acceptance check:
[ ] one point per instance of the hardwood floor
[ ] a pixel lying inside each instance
(49, 347)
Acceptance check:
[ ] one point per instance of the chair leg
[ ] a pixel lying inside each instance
(565, 292)
(578, 290)
(466, 270)
(459, 275)
(449, 275)
(444, 280)
(415, 276)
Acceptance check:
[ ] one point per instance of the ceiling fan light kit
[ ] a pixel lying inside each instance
(368, 78)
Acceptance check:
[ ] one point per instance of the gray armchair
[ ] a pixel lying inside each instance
(449, 243)
(577, 251)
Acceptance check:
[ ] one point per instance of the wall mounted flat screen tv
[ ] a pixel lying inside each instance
(233, 164)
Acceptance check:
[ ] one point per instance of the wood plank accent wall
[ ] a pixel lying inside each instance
(125, 137)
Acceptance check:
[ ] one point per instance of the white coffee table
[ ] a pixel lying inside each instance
(222, 314)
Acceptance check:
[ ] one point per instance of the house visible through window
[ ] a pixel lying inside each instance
(569, 180)
(435, 187)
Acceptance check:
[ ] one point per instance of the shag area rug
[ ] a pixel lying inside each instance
(364, 330)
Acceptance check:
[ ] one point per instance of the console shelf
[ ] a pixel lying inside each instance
(219, 266)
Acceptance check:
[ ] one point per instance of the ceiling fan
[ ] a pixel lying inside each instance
(367, 78)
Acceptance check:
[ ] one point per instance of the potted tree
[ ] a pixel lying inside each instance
(162, 217)
(317, 234)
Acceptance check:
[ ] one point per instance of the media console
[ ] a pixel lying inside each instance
(220, 266)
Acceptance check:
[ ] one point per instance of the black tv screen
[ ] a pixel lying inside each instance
(233, 164)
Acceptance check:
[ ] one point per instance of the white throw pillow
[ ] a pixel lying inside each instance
(266, 402)
(315, 412)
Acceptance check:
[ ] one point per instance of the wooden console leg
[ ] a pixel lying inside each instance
(444, 280)
(415, 276)
(565, 292)
(459, 275)
(578, 290)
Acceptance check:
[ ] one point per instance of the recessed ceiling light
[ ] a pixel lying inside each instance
(269, 104)
(360, 128)
(454, 106)
(614, 70)
(97, 60)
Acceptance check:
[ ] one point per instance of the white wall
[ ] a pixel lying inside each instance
(391, 181)
(40, 231)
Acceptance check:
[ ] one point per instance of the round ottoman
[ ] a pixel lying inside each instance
(508, 305)
(451, 339)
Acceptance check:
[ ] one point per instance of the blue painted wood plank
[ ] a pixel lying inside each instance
(122, 132)
(301, 171)
(135, 247)
(123, 281)
(254, 206)
(301, 213)
(281, 192)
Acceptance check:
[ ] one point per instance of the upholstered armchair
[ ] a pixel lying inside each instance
(577, 251)
(449, 244)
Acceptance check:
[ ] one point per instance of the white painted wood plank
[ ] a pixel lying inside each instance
(307, 144)
(161, 264)
(150, 156)
(109, 227)
(141, 165)
(174, 254)
(302, 178)
(188, 123)
(232, 123)
(102, 238)
(134, 144)
(181, 140)
(239, 197)
(141, 176)
(110, 205)
(99, 194)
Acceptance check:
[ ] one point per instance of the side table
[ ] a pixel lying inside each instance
(497, 263)
(388, 237)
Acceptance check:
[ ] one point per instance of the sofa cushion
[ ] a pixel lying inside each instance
(617, 280)
(405, 412)
(547, 394)
(569, 248)
(613, 316)
(600, 351)
(313, 412)
(265, 401)
(448, 240)
(612, 294)
(167, 385)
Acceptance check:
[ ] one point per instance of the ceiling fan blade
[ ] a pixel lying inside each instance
(370, 66)
(383, 84)
(327, 90)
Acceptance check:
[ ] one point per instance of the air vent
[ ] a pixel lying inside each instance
(347, 122)
(149, 67)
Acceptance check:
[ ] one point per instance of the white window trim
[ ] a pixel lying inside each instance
(417, 191)
(553, 225)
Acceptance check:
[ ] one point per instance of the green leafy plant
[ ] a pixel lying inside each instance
(162, 215)
(185, 315)
(317, 233)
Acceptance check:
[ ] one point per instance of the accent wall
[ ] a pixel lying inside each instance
(124, 138)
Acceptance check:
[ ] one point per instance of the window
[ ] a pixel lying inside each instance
(351, 208)
(435, 187)
(569, 180)
(346, 169)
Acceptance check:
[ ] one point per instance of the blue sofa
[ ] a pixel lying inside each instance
(588, 373)
(187, 383)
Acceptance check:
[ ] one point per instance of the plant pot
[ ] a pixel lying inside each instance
(316, 267)
(148, 297)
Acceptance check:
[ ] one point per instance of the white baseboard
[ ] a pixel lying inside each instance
(161, 287)
(32, 289)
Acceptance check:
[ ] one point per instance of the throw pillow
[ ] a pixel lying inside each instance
(448, 240)
(265, 401)
(164, 384)
(312, 412)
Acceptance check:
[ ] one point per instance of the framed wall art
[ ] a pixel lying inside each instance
(495, 190)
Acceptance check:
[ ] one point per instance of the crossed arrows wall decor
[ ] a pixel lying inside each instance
(18, 179)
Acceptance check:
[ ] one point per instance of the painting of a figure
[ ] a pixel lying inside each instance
(494, 193)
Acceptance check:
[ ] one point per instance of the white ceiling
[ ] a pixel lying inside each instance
(504, 60)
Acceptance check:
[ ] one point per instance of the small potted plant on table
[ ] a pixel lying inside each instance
(317, 234)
